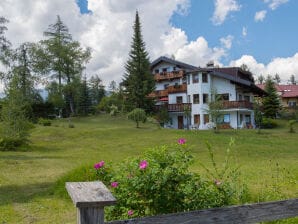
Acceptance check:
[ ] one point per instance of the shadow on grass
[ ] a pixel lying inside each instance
(26, 157)
(23, 193)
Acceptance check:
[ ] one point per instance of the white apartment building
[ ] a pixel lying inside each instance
(185, 91)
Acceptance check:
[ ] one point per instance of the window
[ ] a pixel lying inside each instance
(165, 69)
(188, 79)
(179, 99)
(206, 118)
(224, 119)
(184, 80)
(195, 78)
(205, 77)
(156, 71)
(247, 98)
(166, 86)
(292, 104)
(205, 98)
(196, 98)
(174, 68)
(196, 119)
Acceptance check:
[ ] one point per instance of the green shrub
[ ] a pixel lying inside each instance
(269, 123)
(71, 126)
(291, 126)
(44, 122)
(10, 144)
(160, 182)
(137, 115)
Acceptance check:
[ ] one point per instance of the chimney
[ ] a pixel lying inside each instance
(210, 64)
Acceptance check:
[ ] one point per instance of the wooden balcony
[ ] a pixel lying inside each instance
(179, 107)
(237, 105)
(177, 88)
(159, 94)
(168, 75)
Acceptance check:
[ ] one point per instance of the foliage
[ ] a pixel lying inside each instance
(15, 123)
(293, 80)
(258, 115)
(4, 44)
(268, 123)
(271, 103)
(291, 124)
(106, 103)
(160, 182)
(44, 122)
(137, 115)
(163, 116)
(138, 81)
(114, 110)
(215, 106)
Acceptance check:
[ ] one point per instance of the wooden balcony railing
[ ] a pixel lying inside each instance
(177, 88)
(237, 104)
(168, 75)
(159, 94)
(178, 107)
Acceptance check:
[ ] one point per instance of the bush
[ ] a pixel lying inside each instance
(269, 123)
(291, 126)
(10, 144)
(44, 122)
(137, 115)
(160, 182)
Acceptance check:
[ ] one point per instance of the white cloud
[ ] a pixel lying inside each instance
(244, 31)
(285, 67)
(227, 41)
(260, 16)
(198, 53)
(274, 4)
(222, 9)
(107, 30)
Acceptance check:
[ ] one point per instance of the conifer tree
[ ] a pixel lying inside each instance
(138, 81)
(4, 45)
(271, 102)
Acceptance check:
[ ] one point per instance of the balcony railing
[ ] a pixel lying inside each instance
(178, 107)
(168, 75)
(177, 88)
(159, 93)
(237, 105)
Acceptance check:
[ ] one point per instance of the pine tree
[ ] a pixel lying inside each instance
(4, 45)
(138, 81)
(271, 102)
(84, 98)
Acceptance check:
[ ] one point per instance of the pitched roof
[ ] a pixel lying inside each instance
(172, 61)
(287, 91)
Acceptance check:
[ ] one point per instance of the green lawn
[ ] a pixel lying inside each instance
(27, 178)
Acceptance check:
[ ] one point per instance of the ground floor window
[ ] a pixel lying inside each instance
(224, 119)
(206, 118)
(196, 119)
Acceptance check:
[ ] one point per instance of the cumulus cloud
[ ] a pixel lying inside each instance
(274, 4)
(227, 41)
(285, 67)
(260, 16)
(222, 9)
(107, 30)
(198, 53)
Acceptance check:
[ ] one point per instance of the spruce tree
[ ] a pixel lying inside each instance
(138, 81)
(271, 102)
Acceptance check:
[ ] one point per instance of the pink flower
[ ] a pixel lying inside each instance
(143, 164)
(99, 165)
(130, 212)
(181, 141)
(114, 184)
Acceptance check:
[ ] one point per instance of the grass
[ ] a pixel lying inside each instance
(30, 181)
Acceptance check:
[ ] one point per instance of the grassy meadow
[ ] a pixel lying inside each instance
(29, 179)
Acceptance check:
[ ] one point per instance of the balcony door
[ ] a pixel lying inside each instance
(180, 122)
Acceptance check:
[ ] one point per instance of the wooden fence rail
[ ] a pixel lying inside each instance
(95, 195)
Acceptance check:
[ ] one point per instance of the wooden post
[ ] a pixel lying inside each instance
(90, 199)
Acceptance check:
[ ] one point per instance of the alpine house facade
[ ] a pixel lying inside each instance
(185, 90)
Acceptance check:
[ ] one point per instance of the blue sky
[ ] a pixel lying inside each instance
(259, 33)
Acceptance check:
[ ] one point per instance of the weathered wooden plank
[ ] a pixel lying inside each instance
(90, 194)
(252, 213)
